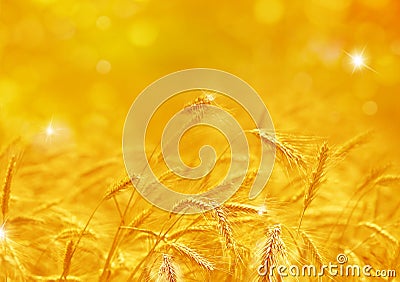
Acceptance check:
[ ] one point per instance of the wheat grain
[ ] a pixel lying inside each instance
(167, 269)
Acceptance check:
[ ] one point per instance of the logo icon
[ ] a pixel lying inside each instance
(203, 111)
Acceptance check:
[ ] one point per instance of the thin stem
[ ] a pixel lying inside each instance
(118, 208)
(117, 233)
(160, 238)
(116, 237)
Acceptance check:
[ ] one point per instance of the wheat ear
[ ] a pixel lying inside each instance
(190, 230)
(67, 259)
(192, 255)
(273, 249)
(191, 202)
(244, 208)
(288, 153)
(224, 227)
(7, 187)
(138, 220)
(315, 181)
(379, 230)
(312, 248)
(369, 181)
(75, 233)
(167, 269)
(357, 141)
(118, 187)
(386, 180)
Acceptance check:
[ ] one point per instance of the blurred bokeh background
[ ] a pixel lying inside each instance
(79, 64)
(70, 70)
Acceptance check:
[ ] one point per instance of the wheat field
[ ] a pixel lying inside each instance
(69, 73)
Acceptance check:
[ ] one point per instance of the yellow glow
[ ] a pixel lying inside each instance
(2, 233)
(143, 33)
(210, 97)
(268, 12)
(370, 108)
(262, 210)
(103, 67)
(50, 130)
(358, 61)
(103, 22)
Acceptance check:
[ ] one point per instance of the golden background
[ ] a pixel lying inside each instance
(75, 67)
(82, 63)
